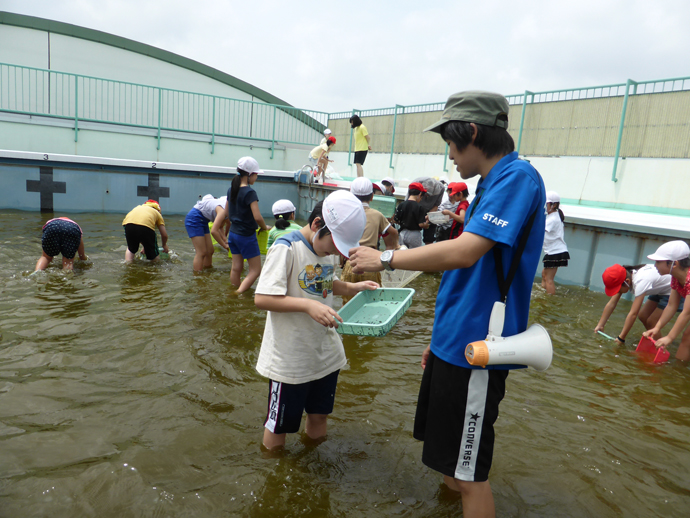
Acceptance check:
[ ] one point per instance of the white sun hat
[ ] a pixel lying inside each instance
(361, 186)
(249, 165)
(344, 216)
(671, 251)
(282, 207)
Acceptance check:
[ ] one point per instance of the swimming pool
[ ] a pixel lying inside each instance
(131, 390)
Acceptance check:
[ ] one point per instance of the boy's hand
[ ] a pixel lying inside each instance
(652, 333)
(425, 356)
(366, 285)
(598, 328)
(324, 315)
(663, 343)
(166, 249)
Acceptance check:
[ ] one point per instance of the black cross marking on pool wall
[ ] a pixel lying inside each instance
(153, 190)
(46, 186)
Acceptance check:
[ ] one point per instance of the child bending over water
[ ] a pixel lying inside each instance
(61, 236)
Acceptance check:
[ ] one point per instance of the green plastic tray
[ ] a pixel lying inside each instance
(374, 312)
(384, 204)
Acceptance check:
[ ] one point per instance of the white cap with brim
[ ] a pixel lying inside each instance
(283, 207)
(671, 251)
(249, 165)
(327, 131)
(552, 197)
(361, 186)
(344, 216)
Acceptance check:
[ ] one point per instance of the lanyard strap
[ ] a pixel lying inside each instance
(504, 284)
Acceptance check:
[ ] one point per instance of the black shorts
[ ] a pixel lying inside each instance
(360, 156)
(456, 412)
(287, 402)
(139, 234)
(61, 237)
(556, 260)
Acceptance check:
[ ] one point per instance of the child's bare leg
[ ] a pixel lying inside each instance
(254, 271)
(646, 313)
(273, 440)
(477, 499)
(43, 262)
(236, 271)
(547, 276)
(208, 260)
(129, 256)
(683, 352)
(316, 425)
(200, 252)
(67, 264)
(360, 171)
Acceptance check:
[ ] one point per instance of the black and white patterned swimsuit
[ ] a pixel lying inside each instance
(61, 236)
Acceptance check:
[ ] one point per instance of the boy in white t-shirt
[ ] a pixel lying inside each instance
(301, 352)
(555, 250)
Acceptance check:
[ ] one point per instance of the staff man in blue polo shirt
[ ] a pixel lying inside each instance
(458, 403)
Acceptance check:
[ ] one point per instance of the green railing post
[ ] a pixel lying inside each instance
(349, 151)
(160, 104)
(213, 128)
(395, 121)
(273, 138)
(445, 159)
(76, 109)
(522, 119)
(620, 128)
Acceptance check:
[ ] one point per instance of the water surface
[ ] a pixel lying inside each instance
(130, 390)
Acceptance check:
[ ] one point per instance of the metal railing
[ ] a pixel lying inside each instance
(49, 93)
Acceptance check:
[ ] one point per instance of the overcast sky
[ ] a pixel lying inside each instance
(339, 55)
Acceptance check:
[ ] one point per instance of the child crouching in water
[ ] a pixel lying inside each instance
(301, 352)
(61, 236)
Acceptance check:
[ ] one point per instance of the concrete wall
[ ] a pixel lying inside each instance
(90, 188)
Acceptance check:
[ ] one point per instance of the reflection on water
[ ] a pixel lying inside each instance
(131, 390)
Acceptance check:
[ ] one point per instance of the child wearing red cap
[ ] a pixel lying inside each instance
(643, 280)
(140, 229)
(458, 193)
(411, 217)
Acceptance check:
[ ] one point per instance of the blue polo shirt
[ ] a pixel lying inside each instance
(505, 200)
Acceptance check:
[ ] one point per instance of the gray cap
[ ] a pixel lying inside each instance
(474, 106)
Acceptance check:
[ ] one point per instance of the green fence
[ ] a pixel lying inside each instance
(60, 95)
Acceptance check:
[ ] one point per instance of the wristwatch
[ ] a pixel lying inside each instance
(386, 258)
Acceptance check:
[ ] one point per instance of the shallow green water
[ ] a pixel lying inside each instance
(130, 390)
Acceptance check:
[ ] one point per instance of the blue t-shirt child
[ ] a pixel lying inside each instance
(505, 200)
(240, 213)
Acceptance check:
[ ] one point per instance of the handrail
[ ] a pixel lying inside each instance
(56, 94)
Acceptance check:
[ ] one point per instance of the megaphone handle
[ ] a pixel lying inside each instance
(497, 319)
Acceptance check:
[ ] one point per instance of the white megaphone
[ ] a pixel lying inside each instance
(532, 347)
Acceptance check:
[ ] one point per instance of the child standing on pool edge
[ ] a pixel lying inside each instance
(301, 352)
(61, 236)
(555, 250)
(242, 209)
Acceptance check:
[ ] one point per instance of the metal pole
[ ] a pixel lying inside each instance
(273, 139)
(76, 108)
(445, 159)
(213, 129)
(522, 118)
(620, 128)
(349, 151)
(160, 94)
(395, 121)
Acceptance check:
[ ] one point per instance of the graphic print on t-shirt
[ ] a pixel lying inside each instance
(317, 279)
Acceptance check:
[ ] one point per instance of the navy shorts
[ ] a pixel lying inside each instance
(196, 224)
(141, 235)
(456, 412)
(662, 301)
(360, 156)
(246, 246)
(61, 237)
(287, 402)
